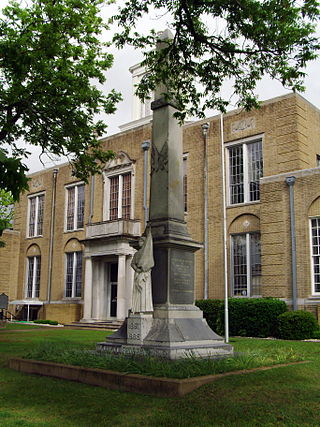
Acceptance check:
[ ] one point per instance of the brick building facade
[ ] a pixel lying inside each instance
(69, 255)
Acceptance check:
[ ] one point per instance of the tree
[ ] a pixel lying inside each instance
(6, 211)
(257, 37)
(50, 58)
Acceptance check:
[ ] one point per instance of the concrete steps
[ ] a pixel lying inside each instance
(108, 325)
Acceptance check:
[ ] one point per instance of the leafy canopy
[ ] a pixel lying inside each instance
(256, 37)
(50, 58)
(6, 211)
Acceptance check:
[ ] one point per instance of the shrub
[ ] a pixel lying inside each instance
(212, 311)
(253, 317)
(297, 325)
(316, 334)
(46, 322)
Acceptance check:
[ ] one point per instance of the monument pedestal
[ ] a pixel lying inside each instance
(172, 333)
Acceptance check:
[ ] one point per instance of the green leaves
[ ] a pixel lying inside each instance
(50, 57)
(216, 40)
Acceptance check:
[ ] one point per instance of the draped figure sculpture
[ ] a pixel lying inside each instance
(142, 264)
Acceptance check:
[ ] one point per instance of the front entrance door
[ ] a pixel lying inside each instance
(113, 289)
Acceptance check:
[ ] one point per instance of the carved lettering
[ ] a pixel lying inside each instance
(182, 272)
(244, 124)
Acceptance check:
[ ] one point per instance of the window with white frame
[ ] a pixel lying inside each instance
(35, 215)
(75, 207)
(245, 167)
(120, 195)
(246, 264)
(315, 253)
(73, 275)
(33, 276)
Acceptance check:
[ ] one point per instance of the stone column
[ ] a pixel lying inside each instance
(178, 326)
(121, 291)
(87, 298)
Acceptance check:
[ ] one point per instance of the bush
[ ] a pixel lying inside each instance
(251, 317)
(46, 322)
(297, 325)
(316, 334)
(212, 311)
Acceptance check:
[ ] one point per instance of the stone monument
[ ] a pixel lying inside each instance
(176, 328)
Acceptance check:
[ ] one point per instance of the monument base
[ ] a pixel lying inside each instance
(172, 333)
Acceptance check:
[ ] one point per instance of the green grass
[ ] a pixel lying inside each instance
(287, 396)
(69, 354)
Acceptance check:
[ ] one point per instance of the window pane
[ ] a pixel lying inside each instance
(70, 208)
(236, 175)
(80, 210)
(40, 215)
(30, 276)
(37, 277)
(69, 275)
(315, 228)
(255, 170)
(239, 256)
(78, 284)
(255, 264)
(114, 195)
(126, 196)
(32, 216)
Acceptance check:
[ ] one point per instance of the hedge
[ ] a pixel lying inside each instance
(297, 325)
(251, 317)
(46, 322)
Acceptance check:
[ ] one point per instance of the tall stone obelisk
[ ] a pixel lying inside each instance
(176, 329)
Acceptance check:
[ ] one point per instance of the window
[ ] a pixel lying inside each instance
(246, 264)
(245, 170)
(73, 275)
(75, 207)
(120, 196)
(35, 215)
(315, 252)
(33, 276)
(318, 160)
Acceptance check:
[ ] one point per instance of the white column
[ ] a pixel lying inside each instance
(87, 298)
(129, 281)
(121, 292)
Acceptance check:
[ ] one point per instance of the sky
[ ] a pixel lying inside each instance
(119, 78)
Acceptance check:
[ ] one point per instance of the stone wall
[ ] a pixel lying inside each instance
(9, 264)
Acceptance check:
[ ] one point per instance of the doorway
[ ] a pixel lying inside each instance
(113, 288)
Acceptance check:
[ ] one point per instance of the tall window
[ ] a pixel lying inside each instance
(245, 171)
(246, 264)
(73, 275)
(315, 251)
(35, 215)
(75, 207)
(33, 276)
(120, 196)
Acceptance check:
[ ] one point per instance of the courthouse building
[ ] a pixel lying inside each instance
(68, 256)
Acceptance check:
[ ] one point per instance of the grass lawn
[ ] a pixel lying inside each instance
(287, 396)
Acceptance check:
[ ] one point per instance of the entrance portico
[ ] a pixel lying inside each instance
(108, 275)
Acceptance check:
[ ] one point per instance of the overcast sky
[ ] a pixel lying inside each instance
(119, 78)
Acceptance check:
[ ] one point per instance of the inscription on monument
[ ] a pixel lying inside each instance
(138, 326)
(181, 277)
(134, 330)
